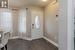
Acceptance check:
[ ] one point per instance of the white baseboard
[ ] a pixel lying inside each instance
(36, 38)
(51, 41)
(15, 37)
(25, 38)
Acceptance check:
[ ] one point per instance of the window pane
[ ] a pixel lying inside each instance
(37, 22)
(6, 21)
(22, 21)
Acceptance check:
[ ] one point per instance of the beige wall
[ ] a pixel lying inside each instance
(51, 22)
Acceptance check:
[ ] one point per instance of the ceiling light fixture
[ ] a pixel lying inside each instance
(44, 0)
(4, 4)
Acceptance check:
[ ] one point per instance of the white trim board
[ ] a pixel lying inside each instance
(25, 38)
(15, 37)
(51, 41)
(36, 38)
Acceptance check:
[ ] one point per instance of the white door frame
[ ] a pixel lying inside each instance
(66, 25)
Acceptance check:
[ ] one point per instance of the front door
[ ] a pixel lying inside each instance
(37, 24)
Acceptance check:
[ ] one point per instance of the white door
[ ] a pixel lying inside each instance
(37, 24)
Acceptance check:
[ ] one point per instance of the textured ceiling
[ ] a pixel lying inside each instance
(22, 3)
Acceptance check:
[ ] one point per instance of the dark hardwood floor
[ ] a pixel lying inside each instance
(39, 44)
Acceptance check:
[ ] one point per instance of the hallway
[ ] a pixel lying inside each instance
(30, 20)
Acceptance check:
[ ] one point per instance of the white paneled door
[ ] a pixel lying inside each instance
(37, 24)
